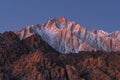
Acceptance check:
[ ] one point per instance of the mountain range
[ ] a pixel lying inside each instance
(48, 52)
(70, 37)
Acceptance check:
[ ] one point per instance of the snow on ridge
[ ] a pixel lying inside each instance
(69, 37)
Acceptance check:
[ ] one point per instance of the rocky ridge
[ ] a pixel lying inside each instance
(33, 59)
(70, 37)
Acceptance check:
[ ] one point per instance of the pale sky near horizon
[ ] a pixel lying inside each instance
(98, 14)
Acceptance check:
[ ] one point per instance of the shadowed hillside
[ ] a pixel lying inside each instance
(33, 59)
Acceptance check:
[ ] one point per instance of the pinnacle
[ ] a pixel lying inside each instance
(61, 19)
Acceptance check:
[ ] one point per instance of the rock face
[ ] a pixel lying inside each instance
(33, 59)
(70, 37)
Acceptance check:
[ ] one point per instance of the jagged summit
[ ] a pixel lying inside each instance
(61, 20)
(70, 37)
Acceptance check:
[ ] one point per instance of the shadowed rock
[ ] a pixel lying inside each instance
(33, 59)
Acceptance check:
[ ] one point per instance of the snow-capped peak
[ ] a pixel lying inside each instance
(70, 37)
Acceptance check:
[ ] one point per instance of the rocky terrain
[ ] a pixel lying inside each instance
(70, 37)
(33, 58)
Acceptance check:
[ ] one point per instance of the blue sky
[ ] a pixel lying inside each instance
(98, 14)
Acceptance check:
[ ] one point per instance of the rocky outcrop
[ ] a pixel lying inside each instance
(97, 74)
(81, 66)
(35, 42)
(33, 59)
(10, 48)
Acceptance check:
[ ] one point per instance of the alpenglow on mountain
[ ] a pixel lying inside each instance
(70, 37)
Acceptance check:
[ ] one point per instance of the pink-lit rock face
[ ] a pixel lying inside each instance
(70, 37)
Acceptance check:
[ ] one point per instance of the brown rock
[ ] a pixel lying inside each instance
(96, 74)
(33, 59)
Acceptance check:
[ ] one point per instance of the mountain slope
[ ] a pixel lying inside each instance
(70, 37)
(34, 59)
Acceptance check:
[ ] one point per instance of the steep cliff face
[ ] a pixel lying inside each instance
(70, 37)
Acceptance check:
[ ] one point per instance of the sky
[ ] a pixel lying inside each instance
(92, 14)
